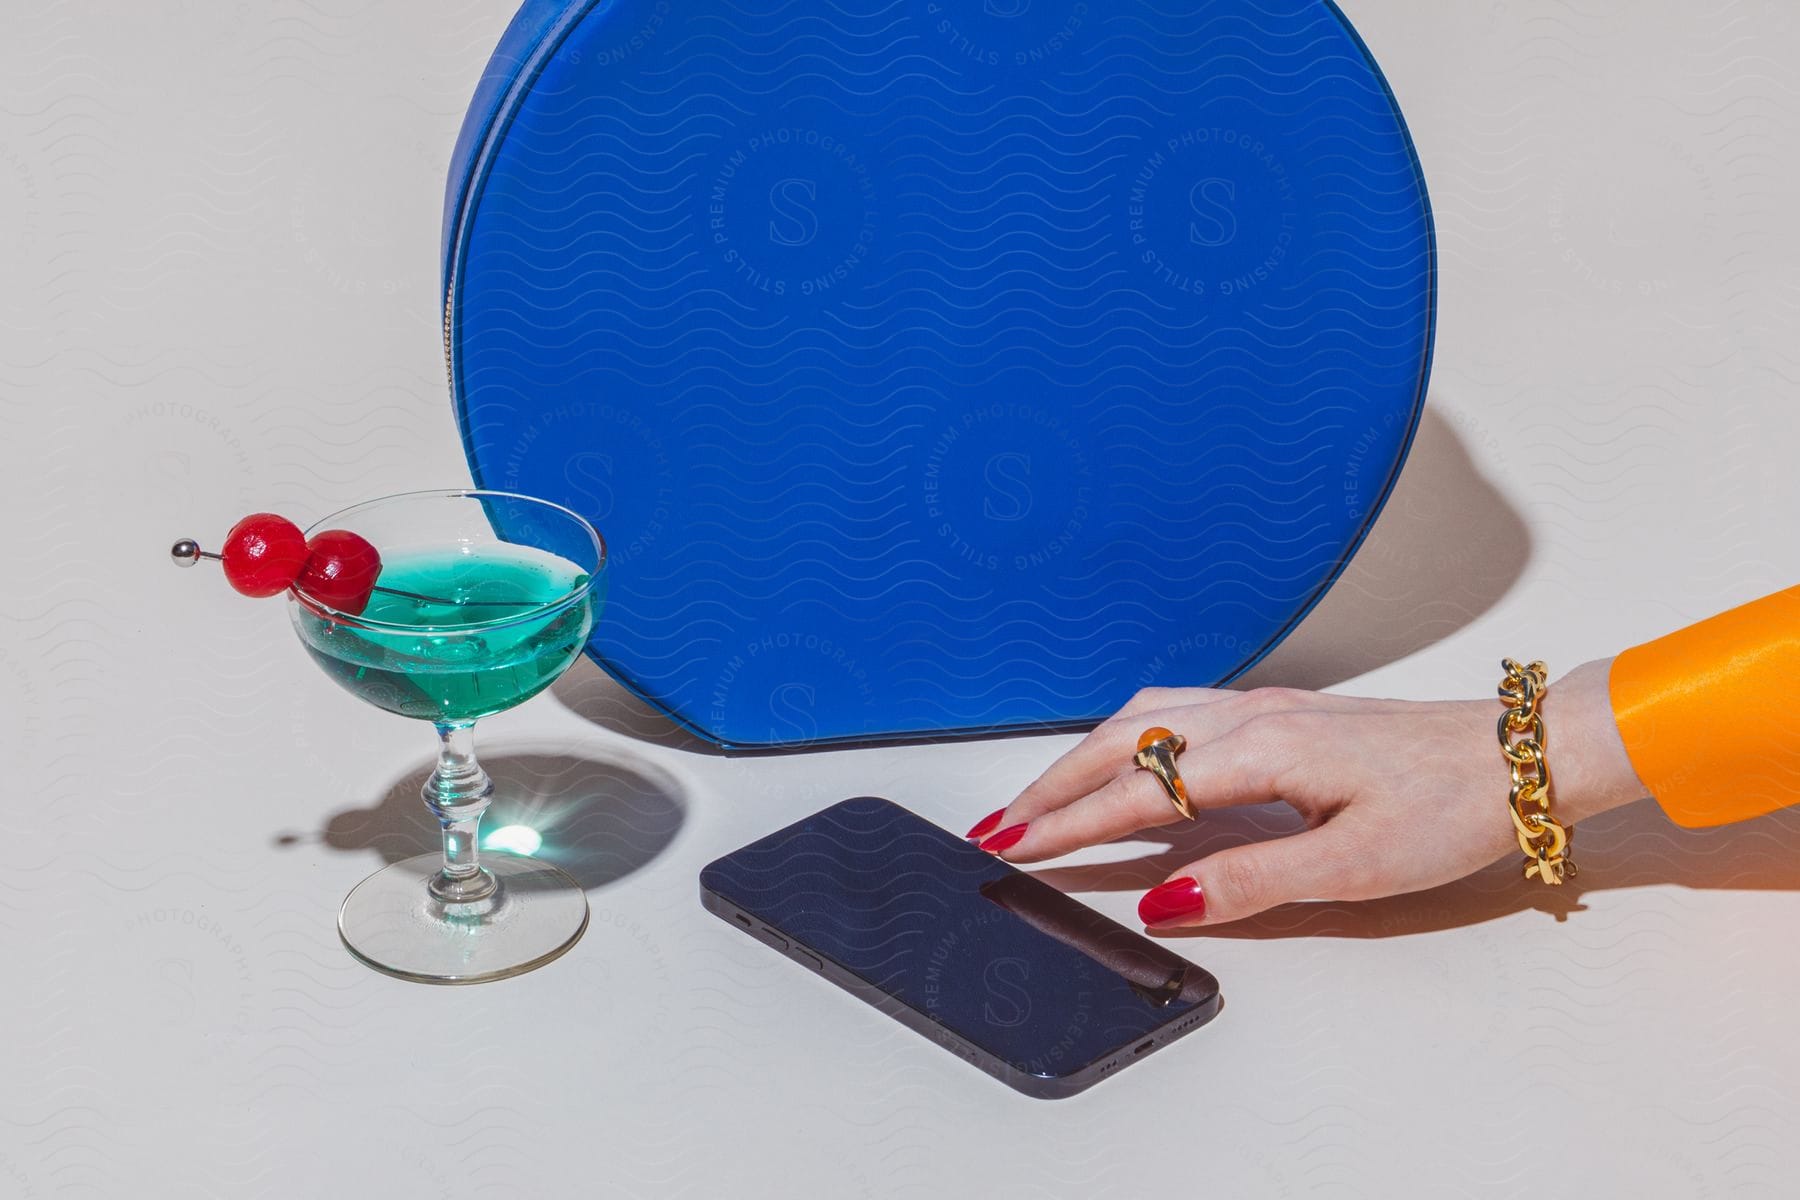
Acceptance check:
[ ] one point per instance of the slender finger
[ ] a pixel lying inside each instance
(1318, 864)
(1106, 752)
(1085, 766)
(1121, 729)
(1125, 804)
(1242, 766)
(1108, 749)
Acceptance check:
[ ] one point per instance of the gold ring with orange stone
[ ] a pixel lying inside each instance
(1157, 748)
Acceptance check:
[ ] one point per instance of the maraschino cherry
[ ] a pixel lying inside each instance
(340, 570)
(266, 554)
(263, 554)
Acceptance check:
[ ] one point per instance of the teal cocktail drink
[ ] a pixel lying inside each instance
(486, 635)
(448, 607)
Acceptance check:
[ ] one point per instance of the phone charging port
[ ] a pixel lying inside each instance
(1145, 1046)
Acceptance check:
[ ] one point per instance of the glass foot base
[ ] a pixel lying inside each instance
(391, 922)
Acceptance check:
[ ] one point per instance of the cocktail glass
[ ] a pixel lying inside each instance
(483, 601)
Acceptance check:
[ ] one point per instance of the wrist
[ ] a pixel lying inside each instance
(1591, 771)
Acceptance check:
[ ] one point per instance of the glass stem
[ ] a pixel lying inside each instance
(457, 793)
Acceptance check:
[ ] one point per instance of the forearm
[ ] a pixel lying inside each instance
(1592, 772)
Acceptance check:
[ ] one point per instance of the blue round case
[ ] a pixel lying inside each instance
(939, 367)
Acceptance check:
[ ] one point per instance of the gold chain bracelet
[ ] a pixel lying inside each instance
(1544, 840)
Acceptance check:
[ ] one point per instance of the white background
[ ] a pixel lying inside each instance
(218, 250)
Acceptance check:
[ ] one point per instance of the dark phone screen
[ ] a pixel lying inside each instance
(1012, 965)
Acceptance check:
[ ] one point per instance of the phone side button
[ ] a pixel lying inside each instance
(774, 937)
(811, 960)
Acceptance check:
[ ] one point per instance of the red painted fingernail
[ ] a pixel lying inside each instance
(1176, 900)
(986, 825)
(1006, 839)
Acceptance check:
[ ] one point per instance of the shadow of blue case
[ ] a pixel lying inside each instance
(939, 369)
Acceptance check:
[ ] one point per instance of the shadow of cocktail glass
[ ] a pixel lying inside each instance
(599, 820)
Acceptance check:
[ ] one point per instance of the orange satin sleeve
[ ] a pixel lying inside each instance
(1710, 715)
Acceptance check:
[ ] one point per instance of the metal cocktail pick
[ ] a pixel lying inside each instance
(187, 552)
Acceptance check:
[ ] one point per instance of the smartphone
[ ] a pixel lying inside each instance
(1035, 988)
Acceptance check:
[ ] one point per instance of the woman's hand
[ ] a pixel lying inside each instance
(1398, 795)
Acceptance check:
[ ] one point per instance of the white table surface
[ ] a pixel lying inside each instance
(218, 241)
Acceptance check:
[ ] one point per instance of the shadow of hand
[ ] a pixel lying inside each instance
(1633, 846)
